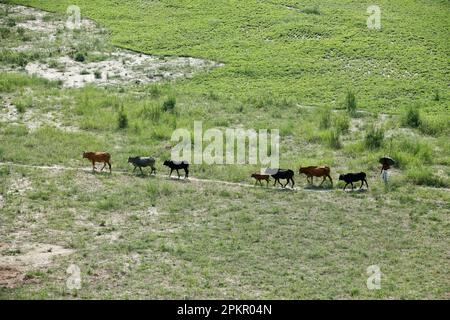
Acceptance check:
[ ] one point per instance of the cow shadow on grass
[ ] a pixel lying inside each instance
(356, 190)
(181, 180)
(312, 187)
(143, 175)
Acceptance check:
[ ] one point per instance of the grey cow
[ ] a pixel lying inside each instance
(139, 162)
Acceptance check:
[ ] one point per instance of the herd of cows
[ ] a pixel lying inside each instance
(277, 174)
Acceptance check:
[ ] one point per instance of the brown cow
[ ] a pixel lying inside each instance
(316, 171)
(260, 177)
(104, 157)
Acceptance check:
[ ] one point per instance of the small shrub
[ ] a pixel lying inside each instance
(169, 104)
(314, 10)
(374, 138)
(97, 74)
(122, 119)
(79, 57)
(4, 33)
(341, 123)
(11, 22)
(23, 103)
(436, 96)
(411, 117)
(350, 103)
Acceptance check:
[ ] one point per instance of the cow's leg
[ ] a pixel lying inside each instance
(275, 182)
(171, 170)
(280, 183)
(323, 180)
(362, 183)
(104, 165)
(134, 168)
(153, 170)
(186, 173)
(352, 185)
(292, 179)
(109, 165)
(142, 172)
(331, 180)
(267, 182)
(93, 165)
(345, 186)
(178, 173)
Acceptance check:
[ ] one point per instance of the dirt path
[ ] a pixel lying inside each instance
(161, 176)
(190, 179)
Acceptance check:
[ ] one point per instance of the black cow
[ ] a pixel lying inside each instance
(287, 174)
(139, 162)
(354, 177)
(176, 165)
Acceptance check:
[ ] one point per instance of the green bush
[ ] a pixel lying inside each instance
(350, 103)
(11, 22)
(341, 123)
(436, 96)
(374, 138)
(169, 104)
(97, 74)
(314, 10)
(4, 33)
(79, 56)
(122, 119)
(411, 117)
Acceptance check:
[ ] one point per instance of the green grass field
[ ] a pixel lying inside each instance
(286, 65)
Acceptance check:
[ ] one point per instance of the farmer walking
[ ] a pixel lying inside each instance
(386, 163)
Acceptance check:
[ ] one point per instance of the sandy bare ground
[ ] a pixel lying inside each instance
(18, 258)
(103, 64)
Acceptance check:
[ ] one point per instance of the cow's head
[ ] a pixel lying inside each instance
(341, 177)
(167, 162)
(84, 154)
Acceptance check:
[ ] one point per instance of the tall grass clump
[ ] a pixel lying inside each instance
(435, 126)
(152, 112)
(374, 138)
(350, 103)
(333, 139)
(411, 117)
(408, 151)
(122, 119)
(341, 123)
(325, 119)
(422, 176)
